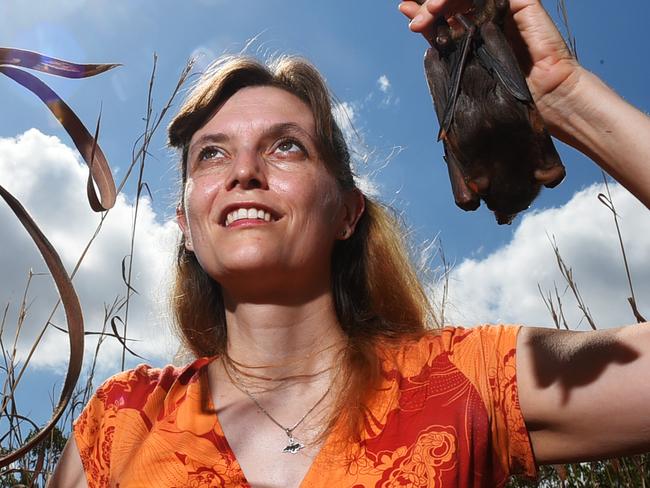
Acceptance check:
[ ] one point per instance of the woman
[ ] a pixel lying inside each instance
(319, 369)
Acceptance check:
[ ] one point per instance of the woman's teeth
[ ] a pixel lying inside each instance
(247, 213)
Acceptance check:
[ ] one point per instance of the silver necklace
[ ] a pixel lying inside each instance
(293, 444)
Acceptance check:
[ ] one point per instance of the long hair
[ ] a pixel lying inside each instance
(377, 295)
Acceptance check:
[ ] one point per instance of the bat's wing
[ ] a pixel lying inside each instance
(497, 57)
(438, 79)
(459, 59)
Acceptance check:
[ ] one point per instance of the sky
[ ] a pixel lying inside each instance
(373, 65)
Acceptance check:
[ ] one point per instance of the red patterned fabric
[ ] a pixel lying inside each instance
(447, 415)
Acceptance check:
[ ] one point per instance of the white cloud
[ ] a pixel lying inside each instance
(346, 115)
(202, 56)
(49, 179)
(502, 287)
(384, 84)
(386, 97)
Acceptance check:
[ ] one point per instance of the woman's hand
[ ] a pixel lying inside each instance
(551, 70)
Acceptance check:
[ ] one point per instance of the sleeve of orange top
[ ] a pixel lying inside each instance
(487, 356)
(94, 429)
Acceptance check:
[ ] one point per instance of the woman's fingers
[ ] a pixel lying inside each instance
(419, 15)
(540, 49)
(422, 13)
(545, 59)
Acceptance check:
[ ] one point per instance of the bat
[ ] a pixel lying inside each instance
(496, 145)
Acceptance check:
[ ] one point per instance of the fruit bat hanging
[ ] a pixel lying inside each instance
(496, 145)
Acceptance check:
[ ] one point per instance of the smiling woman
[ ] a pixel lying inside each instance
(257, 153)
(318, 360)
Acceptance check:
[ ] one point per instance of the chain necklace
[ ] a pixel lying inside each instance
(293, 444)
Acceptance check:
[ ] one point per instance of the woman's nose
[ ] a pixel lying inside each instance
(247, 172)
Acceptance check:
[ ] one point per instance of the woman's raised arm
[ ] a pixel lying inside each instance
(577, 106)
(585, 395)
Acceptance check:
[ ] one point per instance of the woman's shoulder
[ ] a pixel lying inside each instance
(133, 387)
(126, 410)
(454, 343)
(449, 337)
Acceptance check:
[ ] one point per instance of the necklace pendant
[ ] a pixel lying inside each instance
(293, 446)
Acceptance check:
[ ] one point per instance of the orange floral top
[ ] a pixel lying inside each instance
(447, 416)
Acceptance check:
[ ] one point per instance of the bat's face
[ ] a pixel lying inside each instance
(509, 196)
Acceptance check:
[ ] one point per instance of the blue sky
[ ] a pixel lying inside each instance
(374, 66)
(353, 43)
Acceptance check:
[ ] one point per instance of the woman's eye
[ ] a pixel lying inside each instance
(209, 153)
(289, 147)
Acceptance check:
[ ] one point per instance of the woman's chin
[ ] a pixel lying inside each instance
(263, 280)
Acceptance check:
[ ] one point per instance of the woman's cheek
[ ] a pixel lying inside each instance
(199, 195)
(330, 203)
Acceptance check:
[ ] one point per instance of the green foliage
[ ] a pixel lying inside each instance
(628, 472)
(33, 469)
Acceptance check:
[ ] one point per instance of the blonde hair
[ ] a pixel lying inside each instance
(377, 295)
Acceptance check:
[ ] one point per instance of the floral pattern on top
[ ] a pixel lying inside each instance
(447, 415)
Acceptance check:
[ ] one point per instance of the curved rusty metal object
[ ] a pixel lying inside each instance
(47, 64)
(11, 62)
(73, 316)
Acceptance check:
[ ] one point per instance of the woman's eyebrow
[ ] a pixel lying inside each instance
(215, 138)
(288, 128)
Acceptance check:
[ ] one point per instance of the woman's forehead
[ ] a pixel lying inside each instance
(256, 109)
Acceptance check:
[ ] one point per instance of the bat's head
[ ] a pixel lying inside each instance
(509, 194)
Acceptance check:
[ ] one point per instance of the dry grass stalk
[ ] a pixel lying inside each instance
(609, 203)
(557, 315)
(567, 274)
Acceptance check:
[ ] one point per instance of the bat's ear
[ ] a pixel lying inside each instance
(441, 35)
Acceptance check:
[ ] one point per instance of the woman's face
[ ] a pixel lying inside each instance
(260, 207)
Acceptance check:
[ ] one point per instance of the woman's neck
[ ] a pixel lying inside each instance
(284, 339)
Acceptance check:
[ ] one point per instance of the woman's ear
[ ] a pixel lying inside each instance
(181, 220)
(355, 204)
